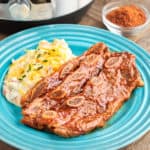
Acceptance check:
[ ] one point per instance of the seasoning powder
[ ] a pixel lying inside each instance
(127, 16)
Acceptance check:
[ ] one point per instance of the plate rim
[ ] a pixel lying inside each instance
(73, 25)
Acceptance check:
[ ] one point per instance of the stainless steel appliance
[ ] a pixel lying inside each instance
(34, 12)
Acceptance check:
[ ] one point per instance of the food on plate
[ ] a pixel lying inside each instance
(26, 71)
(83, 94)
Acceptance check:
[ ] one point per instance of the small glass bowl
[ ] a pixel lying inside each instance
(125, 31)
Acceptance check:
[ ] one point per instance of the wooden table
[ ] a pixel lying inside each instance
(93, 18)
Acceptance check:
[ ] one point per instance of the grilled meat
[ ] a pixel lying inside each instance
(87, 96)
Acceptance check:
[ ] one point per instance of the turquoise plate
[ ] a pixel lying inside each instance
(127, 125)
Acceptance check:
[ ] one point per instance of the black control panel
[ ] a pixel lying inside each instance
(40, 1)
(4, 1)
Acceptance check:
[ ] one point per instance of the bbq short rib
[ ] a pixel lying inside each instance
(83, 94)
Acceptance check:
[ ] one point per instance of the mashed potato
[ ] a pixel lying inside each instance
(26, 71)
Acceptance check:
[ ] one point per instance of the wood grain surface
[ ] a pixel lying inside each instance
(93, 18)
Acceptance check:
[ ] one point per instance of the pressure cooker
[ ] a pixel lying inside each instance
(38, 10)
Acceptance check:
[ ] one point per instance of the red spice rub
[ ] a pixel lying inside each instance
(127, 16)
